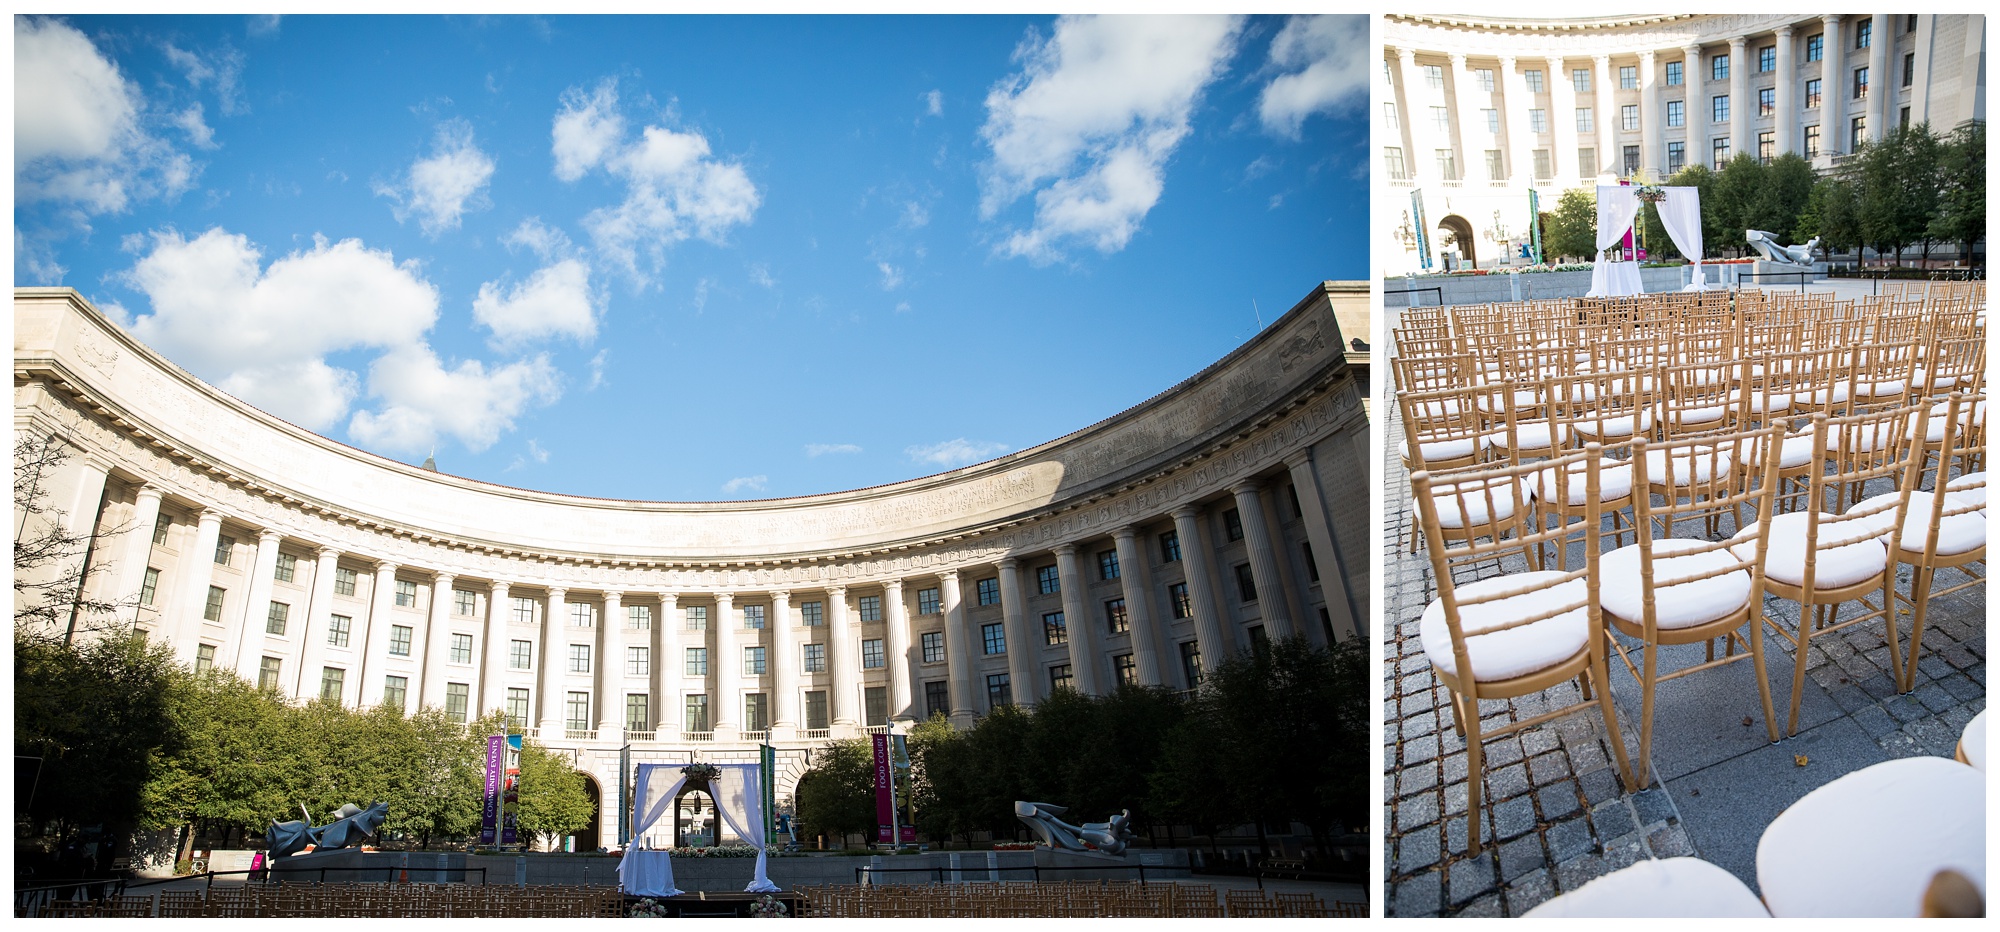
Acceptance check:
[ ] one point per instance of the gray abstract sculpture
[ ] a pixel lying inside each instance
(1109, 836)
(351, 826)
(1767, 245)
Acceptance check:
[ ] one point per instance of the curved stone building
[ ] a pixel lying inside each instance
(1144, 548)
(1476, 110)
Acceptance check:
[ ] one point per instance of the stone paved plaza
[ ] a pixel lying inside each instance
(1556, 815)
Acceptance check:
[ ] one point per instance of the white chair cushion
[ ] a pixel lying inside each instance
(1690, 465)
(1696, 415)
(1494, 404)
(1793, 452)
(1475, 504)
(1455, 448)
(1922, 379)
(1675, 605)
(1971, 487)
(1867, 844)
(1617, 426)
(1864, 437)
(1670, 888)
(1438, 407)
(1764, 402)
(1834, 395)
(1530, 435)
(1613, 483)
(1957, 533)
(1973, 741)
(1834, 567)
(1515, 651)
(1887, 387)
(1978, 411)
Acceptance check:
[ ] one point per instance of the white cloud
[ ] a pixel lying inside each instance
(674, 189)
(916, 215)
(760, 275)
(934, 103)
(223, 71)
(740, 483)
(597, 370)
(957, 452)
(1090, 121)
(1326, 62)
(546, 241)
(827, 449)
(535, 450)
(441, 188)
(263, 25)
(197, 129)
(891, 276)
(79, 133)
(35, 263)
(423, 400)
(555, 301)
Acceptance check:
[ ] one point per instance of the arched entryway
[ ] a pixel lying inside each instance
(1455, 235)
(695, 822)
(586, 837)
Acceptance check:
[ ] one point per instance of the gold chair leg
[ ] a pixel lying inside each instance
(1610, 713)
(1920, 592)
(1799, 668)
(1763, 680)
(1648, 681)
(1475, 776)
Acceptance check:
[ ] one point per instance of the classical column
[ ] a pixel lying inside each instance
(1741, 139)
(1134, 578)
(199, 561)
(553, 661)
(437, 640)
(1422, 162)
(1881, 83)
(1340, 607)
(312, 631)
(257, 605)
(1607, 115)
(1020, 642)
(784, 669)
(1562, 120)
(897, 644)
(493, 678)
(957, 649)
(1263, 562)
(1514, 104)
(611, 669)
(841, 662)
(725, 707)
(1787, 123)
(1652, 147)
(1472, 133)
(672, 666)
(1695, 83)
(136, 554)
(1833, 138)
(1210, 638)
(375, 656)
(1082, 630)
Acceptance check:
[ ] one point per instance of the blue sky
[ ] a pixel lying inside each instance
(691, 258)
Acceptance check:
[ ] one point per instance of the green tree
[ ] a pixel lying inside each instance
(446, 774)
(1898, 194)
(234, 765)
(1961, 213)
(1731, 202)
(1570, 231)
(1782, 196)
(836, 797)
(554, 802)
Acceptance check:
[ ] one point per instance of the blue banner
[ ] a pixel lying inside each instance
(1423, 238)
(1535, 225)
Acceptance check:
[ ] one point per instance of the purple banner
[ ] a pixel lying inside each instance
(489, 813)
(885, 801)
(510, 793)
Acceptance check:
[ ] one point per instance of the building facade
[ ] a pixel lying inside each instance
(1473, 112)
(1143, 549)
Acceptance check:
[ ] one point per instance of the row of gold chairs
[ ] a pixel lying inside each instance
(1117, 899)
(368, 901)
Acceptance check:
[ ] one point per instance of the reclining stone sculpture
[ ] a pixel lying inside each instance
(1767, 245)
(351, 826)
(1110, 836)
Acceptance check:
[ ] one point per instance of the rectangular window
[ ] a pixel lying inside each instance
(989, 591)
(753, 661)
(697, 618)
(1115, 618)
(160, 530)
(1054, 629)
(696, 717)
(813, 658)
(1767, 102)
(1857, 133)
(520, 655)
(1232, 525)
(1812, 140)
(1905, 117)
(1861, 83)
(1909, 68)
(995, 638)
(638, 712)
(756, 712)
(276, 619)
(998, 692)
(1673, 74)
(1125, 670)
(149, 589)
(1492, 121)
(816, 710)
(1170, 547)
(524, 611)
(223, 546)
(875, 705)
(1718, 109)
(933, 643)
(1585, 122)
(461, 648)
(1719, 149)
(576, 711)
(457, 701)
(1628, 117)
(1177, 600)
(871, 608)
(639, 617)
(753, 616)
(1586, 160)
(1767, 59)
(1047, 579)
(204, 658)
(1107, 564)
(1863, 33)
(337, 628)
(406, 594)
(517, 708)
(1392, 160)
(464, 602)
(1631, 160)
(1191, 663)
(582, 615)
(872, 657)
(638, 661)
(1485, 78)
(1580, 79)
(697, 660)
(928, 602)
(332, 682)
(343, 581)
(1389, 118)
(394, 690)
(1718, 68)
(1628, 77)
(1676, 113)
(813, 614)
(1812, 93)
(399, 640)
(1910, 23)
(579, 658)
(1766, 148)
(1259, 641)
(1538, 121)
(1534, 77)
(1543, 169)
(212, 611)
(1060, 678)
(937, 699)
(1447, 163)
(267, 673)
(1815, 47)
(1246, 582)
(1434, 76)
(1441, 119)
(1676, 160)
(287, 568)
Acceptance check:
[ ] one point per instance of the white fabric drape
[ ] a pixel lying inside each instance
(642, 872)
(739, 801)
(1680, 213)
(1616, 206)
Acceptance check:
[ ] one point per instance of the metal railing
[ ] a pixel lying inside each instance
(1803, 277)
(30, 901)
(864, 874)
(1435, 289)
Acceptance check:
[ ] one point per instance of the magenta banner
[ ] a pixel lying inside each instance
(885, 800)
(489, 813)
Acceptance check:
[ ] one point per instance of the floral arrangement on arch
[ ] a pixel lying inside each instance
(768, 907)
(701, 773)
(1651, 193)
(715, 851)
